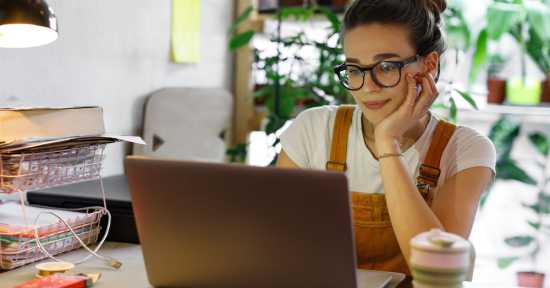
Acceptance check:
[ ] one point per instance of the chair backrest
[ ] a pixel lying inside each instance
(186, 124)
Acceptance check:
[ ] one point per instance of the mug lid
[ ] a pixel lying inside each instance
(440, 241)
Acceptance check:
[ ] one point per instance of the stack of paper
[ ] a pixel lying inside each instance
(46, 144)
(17, 238)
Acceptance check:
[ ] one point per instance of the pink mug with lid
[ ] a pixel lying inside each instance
(439, 259)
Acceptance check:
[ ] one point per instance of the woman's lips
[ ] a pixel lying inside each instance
(374, 105)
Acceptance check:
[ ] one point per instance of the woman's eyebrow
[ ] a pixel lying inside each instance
(376, 58)
(353, 60)
(383, 56)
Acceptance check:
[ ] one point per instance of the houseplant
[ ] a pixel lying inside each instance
(496, 85)
(541, 210)
(286, 93)
(538, 43)
(527, 21)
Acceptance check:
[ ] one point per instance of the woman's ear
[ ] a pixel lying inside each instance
(430, 63)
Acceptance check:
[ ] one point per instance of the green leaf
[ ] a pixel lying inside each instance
(452, 110)
(536, 226)
(246, 13)
(439, 106)
(540, 141)
(237, 153)
(240, 40)
(501, 17)
(534, 207)
(274, 123)
(519, 241)
(505, 262)
(287, 97)
(544, 203)
(503, 134)
(538, 50)
(468, 98)
(495, 64)
(265, 91)
(507, 169)
(298, 13)
(480, 55)
(542, 206)
(538, 15)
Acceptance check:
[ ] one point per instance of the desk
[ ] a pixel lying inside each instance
(131, 274)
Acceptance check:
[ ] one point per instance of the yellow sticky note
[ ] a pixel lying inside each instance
(186, 31)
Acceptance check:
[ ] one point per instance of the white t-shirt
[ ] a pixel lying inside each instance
(308, 139)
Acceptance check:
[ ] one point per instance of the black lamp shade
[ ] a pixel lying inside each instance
(26, 23)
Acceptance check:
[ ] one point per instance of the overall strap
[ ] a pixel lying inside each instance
(429, 170)
(339, 146)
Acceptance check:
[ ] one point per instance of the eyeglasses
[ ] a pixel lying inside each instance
(384, 73)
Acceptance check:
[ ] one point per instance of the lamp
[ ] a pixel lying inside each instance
(26, 23)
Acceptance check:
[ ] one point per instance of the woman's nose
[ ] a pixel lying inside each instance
(369, 84)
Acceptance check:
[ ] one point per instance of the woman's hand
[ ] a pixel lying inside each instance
(390, 130)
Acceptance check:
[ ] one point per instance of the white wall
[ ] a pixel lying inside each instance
(113, 54)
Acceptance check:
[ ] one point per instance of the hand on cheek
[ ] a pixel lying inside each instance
(413, 108)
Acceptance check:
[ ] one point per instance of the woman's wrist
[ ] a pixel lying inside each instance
(387, 145)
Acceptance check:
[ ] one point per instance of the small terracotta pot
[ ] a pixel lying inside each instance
(497, 90)
(545, 97)
(530, 279)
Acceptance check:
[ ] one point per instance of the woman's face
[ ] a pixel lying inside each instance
(368, 44)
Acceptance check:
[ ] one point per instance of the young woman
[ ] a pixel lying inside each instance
(408, 171)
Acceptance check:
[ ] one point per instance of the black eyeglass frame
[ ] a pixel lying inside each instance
(400, 65)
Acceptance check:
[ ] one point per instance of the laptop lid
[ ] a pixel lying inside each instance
(221, 225)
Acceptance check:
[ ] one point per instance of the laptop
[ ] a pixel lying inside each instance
(229, 225)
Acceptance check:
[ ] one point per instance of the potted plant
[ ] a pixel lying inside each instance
(545, 98)
(541, 209)
(526, 21)
(546, 89)
(496, 85)
(538, 44)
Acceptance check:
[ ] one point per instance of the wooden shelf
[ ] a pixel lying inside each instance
(522, 110)
(490, 112)
(540, 110)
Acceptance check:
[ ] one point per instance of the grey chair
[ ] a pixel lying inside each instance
(186, 124)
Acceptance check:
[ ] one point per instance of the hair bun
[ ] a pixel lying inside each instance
(438, 6)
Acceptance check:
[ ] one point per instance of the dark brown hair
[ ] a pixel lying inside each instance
(422, 17)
